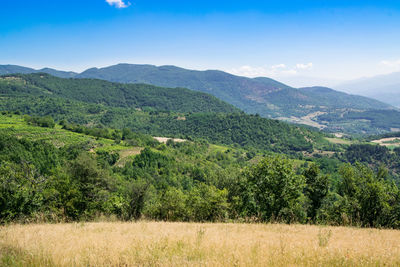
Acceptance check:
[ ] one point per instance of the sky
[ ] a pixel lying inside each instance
(325, 41)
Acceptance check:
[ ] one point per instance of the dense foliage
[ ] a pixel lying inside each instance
(189, 181)
(374, 156)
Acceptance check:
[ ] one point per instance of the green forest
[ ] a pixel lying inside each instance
(57, 171)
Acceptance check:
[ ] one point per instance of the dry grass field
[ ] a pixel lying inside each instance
(192, 244)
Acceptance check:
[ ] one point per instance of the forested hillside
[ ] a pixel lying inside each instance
(133, 176)
(251, 95)
(151, 110)
(263, 96)
(112, 94)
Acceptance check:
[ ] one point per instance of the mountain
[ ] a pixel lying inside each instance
(259, 95)
(263, 96)
(12, 69)
(58, 73)
(385, 88)
(244, 93)
(140, 96)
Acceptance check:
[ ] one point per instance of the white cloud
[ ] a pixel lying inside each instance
(302, 66)
(118, 3)
(249, 71)
(390, 63)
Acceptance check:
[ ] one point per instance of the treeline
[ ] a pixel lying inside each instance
(360, 197)
(186, 182)
(239, 129)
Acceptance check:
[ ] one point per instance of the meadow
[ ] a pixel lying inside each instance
(195, 244)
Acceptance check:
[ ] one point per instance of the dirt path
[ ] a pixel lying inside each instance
(165, 139)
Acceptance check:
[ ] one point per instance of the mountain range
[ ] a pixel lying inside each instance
(264, 96)
(11, 69)
(385, 88)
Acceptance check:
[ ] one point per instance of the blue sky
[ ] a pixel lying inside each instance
(333, 40)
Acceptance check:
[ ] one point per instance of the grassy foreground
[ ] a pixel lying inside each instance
(191, 244)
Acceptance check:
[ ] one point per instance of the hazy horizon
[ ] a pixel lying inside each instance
(295, 81)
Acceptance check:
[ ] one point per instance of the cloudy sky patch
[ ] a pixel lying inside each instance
(118, 3)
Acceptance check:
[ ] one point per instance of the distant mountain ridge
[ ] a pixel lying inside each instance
(261, 95)
(264, 96)
(12, 69)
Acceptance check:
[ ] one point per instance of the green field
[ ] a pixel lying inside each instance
(16, 125)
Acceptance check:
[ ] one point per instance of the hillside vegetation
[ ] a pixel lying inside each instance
(111, 94)
(248, 94)
(51, 172)
(263, 96)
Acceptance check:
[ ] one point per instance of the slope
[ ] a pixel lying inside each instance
(259, 95)
(151, 110)
(112, 94)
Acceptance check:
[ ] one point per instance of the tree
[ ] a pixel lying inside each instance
(276, 190)
(135, 193)
(363, 198)
(207, 203)
(317, 187)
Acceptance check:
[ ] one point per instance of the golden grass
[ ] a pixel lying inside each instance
(192, 244)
